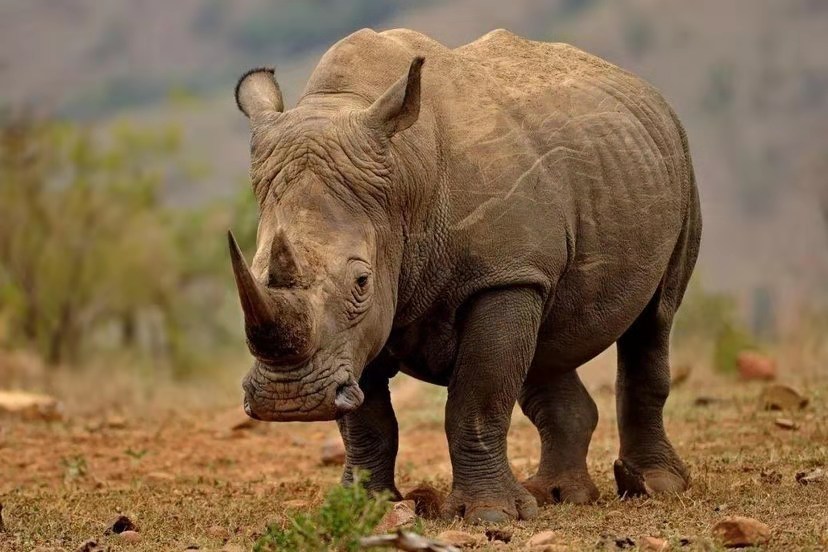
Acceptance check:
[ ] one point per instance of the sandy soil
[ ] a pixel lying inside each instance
(187, 479)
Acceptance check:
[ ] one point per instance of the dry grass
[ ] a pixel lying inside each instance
(185, 480)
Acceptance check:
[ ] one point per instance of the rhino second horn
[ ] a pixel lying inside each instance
(254, 298)
(283, 267)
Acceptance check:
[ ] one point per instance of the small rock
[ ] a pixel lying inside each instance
(755, 366)
(786, 423)
(680, 374)
(499, 535)
(544, 537)
(770, 477)
(233, 420)
(116, 421)
(130, 537)
(90, 546)
(333, 452)
(461, 538)
(121, 524)
(654, 544)
(400, 515)
(160, 477)
(427, 501)
(218, 532)
(30, 406)
(810, 476)
(706, 401)
(782, 397)
(738, 531)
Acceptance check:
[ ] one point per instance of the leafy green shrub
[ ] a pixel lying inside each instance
(711, 317)
(92, 257)
(347, 514)
(729, 343)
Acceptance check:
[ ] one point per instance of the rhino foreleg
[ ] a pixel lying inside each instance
(498, 338)
(370, 435)
(565, 415)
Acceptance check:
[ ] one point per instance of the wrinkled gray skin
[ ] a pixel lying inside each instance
(490, 227)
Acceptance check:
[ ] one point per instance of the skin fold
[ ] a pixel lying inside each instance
(487, 218)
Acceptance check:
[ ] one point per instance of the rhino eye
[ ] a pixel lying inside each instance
(362, 281)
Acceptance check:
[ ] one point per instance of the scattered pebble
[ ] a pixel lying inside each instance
(544, 537)
(30, 406)
(90, 546)
(654, 544)
(427, 501)
(680, 374)
(810, 476)
(461, 538)
(160, 477)
(121, 524)
(231, 422)
(770, 477)
(130, 537)
(755, 366)
(333, 452)
(218, 532)
(786, 423)
(499, 535)
(782, 397)
(400, 515)
(115, 421)
(706, 401)
(738, 531)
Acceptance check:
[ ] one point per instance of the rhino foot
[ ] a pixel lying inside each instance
(572, 488)
(632, 481)
(509, 502)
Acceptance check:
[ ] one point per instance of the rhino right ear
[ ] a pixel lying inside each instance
(399, 107)
(257, 92)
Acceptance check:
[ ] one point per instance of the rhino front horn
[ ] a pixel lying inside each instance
(254, 297)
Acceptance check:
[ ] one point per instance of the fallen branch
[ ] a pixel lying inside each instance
(409, 542)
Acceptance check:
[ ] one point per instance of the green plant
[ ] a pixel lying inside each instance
(730, 341)
(348, 513)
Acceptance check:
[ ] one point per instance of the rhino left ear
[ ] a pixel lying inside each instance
(258, 92)
(398, 108)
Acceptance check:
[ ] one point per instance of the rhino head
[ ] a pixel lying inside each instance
(319, 297)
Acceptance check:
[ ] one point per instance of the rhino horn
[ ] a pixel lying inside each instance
(283, 269)
(254, 297)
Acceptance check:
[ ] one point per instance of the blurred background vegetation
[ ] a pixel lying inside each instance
(123, 159)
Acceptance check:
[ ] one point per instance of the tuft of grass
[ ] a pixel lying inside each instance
(348, 513)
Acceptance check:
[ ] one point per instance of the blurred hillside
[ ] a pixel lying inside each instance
(749, 79)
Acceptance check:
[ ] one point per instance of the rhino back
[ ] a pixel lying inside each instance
(557, 170)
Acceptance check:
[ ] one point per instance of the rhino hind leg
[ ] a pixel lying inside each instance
(370, 435)
(647, 462)
(565, 416)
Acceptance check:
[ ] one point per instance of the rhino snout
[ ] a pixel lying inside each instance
(268, 396)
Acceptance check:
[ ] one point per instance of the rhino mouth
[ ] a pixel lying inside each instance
(301, 394)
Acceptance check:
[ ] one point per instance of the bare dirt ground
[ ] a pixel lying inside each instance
(186, 479)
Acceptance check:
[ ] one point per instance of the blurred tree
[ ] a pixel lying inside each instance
(90, 256)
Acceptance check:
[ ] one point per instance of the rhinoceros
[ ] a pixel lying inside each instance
(486, 218)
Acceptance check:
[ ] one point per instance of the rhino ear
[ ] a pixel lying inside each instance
(258, 92)
(398, 108)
